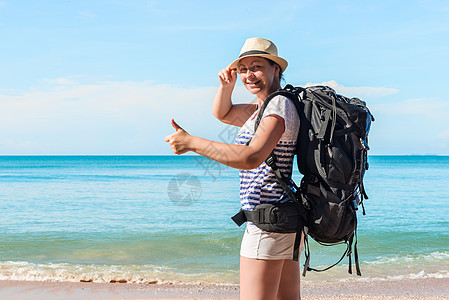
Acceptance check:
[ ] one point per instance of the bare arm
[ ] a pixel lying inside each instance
(237, 156)
(223, 109)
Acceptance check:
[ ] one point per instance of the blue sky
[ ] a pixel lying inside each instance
(105, 77)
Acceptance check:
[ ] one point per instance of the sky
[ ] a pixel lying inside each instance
(106, 77)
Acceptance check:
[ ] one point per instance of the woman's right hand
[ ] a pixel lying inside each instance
(227, 77)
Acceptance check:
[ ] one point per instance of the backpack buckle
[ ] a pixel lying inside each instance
(271, 160)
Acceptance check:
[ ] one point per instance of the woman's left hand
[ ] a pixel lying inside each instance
(178, 141)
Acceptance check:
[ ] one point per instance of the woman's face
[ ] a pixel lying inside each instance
(258, 75)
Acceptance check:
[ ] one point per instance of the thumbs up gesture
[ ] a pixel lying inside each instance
(179, 140)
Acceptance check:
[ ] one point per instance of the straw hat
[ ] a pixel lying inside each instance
(260, 47)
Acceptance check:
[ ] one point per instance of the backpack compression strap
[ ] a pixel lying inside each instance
(348, 252)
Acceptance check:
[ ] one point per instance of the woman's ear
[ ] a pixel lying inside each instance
(277, 70)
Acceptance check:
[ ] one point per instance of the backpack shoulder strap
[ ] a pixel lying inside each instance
(288, 185)
(289, 92)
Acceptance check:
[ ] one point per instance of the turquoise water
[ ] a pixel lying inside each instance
(167, 219)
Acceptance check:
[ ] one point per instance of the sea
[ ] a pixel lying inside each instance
(166, 219)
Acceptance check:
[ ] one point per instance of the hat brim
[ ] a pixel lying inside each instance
(280, 61)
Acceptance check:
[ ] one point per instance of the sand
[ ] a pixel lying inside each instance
(429, 288)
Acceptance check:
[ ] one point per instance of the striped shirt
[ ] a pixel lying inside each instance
(259, 185)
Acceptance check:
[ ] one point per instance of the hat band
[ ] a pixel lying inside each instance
(252, 52)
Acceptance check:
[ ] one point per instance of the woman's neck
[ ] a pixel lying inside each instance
(264, 95)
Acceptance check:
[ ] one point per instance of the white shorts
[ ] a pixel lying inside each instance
(260, 244)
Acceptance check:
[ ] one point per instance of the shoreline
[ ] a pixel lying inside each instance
(424, 288)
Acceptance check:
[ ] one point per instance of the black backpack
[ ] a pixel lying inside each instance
(332, 155)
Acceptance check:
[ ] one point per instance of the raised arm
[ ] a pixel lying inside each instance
(248, 157)
(223, 109)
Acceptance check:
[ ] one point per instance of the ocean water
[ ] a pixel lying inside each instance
(148, 219)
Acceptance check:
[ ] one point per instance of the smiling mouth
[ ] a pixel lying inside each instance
(253, 83)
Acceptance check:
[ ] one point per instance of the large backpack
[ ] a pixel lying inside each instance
(332, 155)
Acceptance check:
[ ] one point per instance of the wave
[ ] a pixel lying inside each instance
(412, 258)
(397, 267)
(419, 275)
(157, 274)
(138, 274)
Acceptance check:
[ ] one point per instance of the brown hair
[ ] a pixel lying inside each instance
(281, 76)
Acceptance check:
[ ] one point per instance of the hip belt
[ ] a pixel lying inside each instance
(277, 217)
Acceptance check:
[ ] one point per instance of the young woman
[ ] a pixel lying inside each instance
(267, 270)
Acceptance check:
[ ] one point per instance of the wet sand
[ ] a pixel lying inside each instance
(429, 288)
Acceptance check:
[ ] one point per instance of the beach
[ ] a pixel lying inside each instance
(428, 288)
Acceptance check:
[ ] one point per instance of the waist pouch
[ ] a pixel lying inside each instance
(277, 217)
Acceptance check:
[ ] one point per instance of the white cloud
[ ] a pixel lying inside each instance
(432, 109)
(411, 126)
(402, 125)
(444, 134)
(9, 145)
(361, 92)
(64, 116)
(108, 117)
(60, 81)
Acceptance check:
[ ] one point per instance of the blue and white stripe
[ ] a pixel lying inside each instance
(259, 185)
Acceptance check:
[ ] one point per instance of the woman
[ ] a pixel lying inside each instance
(267, 270)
